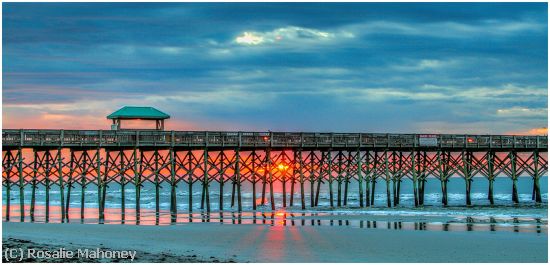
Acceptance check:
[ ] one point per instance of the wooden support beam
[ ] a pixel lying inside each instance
(283, 176)
(254, 180)
(467, 171)
(400, 177)
(264, 177)
(83, 183)
(394, 177)
(512, 156)
(292, 167)
(173, 201)
(414, 172)
(374, 177)
(122, 176)
(22, 186)
(359, 173)
(99, 184)
(387, 176)
(330, 180)
(270, 174)
(490, 175)
(206, 181)
(33, 184)
(312, 179)
(72, 167)
(156, 173)
(238, 177)
(302, 180)
(339, 179)
(190, 180)
(423, 177)
(347, 176)
(61, 184)
(319, 177)
(367, 178)
(102, 181)
(221, 173)
(233, 187)
(9, 164)
(536, 177)
(47, 157)
(442, 174)
(138, 168)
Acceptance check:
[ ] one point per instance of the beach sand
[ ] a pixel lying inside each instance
(140, 256)
(264, 243)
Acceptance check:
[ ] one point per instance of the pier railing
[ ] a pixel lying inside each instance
(131, 138)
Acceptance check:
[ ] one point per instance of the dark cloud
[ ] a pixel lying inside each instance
(307, 66)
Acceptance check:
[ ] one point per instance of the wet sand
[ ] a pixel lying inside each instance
(264, 243)
(455, 219)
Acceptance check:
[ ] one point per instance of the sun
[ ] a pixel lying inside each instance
(282, 167)
(249, 38)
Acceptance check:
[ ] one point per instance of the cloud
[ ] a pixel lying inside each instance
(172, 50)
(453, 127)
(383, 94)
(426, 64)
(506, 93)
(538, 131)
(303, 38)
(532, 131)
(449, 29)
(222, 97)
(522, 112)
(429, 64)
(80, 114)
(474, 69)
(250, 38)
(290, 35)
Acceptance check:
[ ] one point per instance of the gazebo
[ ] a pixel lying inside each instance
(138, 113)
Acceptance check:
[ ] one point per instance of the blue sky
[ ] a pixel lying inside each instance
(369, 67)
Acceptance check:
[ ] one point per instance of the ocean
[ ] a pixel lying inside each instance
(432, 202)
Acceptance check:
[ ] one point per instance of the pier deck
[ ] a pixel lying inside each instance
(309, 140)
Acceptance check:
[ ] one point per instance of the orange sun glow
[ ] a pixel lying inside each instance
(282, 167)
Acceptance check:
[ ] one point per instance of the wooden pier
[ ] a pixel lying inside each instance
(187, 159)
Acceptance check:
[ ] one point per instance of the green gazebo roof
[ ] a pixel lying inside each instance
(131, 112)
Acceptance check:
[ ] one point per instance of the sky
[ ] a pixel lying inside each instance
(331, 67)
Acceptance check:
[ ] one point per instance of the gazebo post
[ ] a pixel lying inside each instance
(159, 125)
